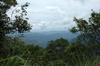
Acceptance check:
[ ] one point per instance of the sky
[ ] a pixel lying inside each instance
(48, 15)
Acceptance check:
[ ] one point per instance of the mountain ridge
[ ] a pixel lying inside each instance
(42, 38)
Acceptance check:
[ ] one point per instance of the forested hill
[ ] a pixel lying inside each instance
(42, 38)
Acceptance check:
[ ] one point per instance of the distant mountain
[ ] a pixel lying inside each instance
(42, 38)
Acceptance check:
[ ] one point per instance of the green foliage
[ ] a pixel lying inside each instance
(12, 47)
(93, 62)
(58, 45)
(15, 61)
(35, 54)
(17, 53)
(17, 24)
(55, 49)
(57, 63)
(89, 29)
(77, 52)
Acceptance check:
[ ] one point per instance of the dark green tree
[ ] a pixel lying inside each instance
(35, 54)
(76, 53)
(89, 29)
(12, 47)
(58, 45)
(17, 23)
(55, 49)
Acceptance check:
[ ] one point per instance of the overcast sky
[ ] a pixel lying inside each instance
(47, 15)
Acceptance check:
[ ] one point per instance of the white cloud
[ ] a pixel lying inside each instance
(58, 14)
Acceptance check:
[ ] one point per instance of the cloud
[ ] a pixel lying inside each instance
(55, 9)
(55, 15)
(63, 24)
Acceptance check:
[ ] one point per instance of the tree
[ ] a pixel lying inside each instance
(35, 54)
(55, 49)
(89, 29)
(58, 45)
(15, 23)
(12, 24)
(76, 52)
(11, 47)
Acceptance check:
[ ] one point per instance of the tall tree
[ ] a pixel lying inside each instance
(89, 29)
(18, 23)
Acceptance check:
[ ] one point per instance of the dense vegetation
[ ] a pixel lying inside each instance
(14, 52)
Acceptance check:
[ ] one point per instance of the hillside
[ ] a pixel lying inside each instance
(42, 38)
